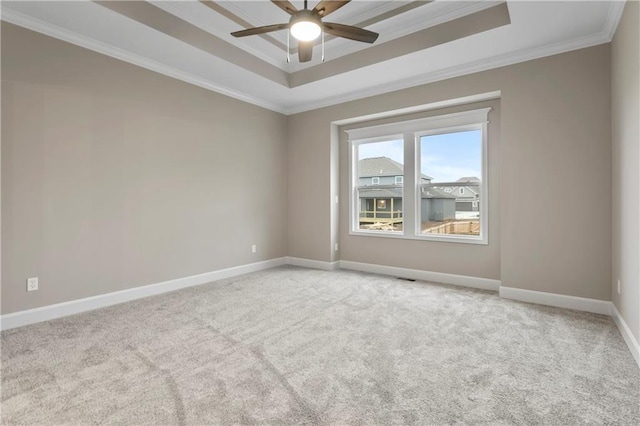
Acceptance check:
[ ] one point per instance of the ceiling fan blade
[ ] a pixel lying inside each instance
(326, 7)
(352, 33)
(305, 51)
(285, 5)
(260, 30)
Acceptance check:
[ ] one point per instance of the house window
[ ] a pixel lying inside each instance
(439, 157)
(378, 210)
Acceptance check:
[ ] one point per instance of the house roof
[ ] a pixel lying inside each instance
(381, 193)
(381, 166)
(470, 190)
(397, 193)
(433, 192)
(468, 179)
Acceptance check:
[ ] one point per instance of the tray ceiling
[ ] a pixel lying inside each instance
(420, 42)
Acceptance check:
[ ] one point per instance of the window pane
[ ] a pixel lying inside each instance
(451, 167)
(380, 168)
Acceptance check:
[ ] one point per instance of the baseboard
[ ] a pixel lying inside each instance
(416, 274)
(46, 313)
(313, 264)
(628, 337)
(557, 300)
(59, 310)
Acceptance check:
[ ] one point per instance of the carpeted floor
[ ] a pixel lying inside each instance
(292, 345)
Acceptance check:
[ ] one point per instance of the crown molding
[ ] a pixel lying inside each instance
(54, 31)
(604, 36)
(613, 18)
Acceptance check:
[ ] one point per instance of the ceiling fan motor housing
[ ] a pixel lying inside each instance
(305, 15)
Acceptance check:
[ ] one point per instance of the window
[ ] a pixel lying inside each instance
(454, 159)
(440, 191)
(378, 209)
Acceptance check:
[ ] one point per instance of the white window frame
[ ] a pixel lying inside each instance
(399, 181)
(411, 131)
(375, 180)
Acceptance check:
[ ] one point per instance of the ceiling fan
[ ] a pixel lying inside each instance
(306, 25)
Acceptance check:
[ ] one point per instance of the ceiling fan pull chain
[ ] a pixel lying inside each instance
(288, 49)
(322, 44)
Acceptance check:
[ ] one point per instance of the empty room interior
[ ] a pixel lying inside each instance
(323, 212)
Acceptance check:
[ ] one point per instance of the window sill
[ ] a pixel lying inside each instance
(442, 239)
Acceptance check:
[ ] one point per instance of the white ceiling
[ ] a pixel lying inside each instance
(194, 44)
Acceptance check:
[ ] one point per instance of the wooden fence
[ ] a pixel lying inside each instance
(455, 228)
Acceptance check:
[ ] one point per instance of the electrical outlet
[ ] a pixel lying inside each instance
(335, 247)
(618, 286)
(32, 284)
(254, 248)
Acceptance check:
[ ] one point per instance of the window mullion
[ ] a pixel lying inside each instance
(409, 185)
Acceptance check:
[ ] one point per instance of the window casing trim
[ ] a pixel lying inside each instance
(411, 131)
(395, 130)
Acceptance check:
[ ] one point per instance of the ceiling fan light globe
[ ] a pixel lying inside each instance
(305, 30)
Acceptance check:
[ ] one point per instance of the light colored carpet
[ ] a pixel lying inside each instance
(298, 346)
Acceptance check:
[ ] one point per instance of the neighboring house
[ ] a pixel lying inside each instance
(382, 171)
(467, 197)
(379, 203)
(437, 205)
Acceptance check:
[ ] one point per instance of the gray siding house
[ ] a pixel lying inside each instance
(381, 203)
(437, 205)
(467, 196)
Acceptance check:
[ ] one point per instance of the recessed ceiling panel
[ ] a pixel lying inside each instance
(419, 42)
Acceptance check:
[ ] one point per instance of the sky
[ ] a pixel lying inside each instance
(446, 158)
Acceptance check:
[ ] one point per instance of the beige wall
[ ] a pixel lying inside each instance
(555, 168)
(115, 177)
(625, 116)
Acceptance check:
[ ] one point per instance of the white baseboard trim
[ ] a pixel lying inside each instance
(557, 300)
(628, 337)
(313, 264)
(58, 310)
(416, 274)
